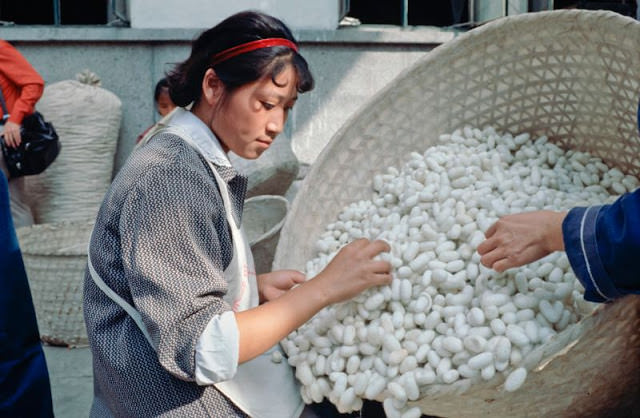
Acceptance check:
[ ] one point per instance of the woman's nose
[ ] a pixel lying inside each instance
(275, 125)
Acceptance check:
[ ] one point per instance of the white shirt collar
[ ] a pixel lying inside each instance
(204, 138)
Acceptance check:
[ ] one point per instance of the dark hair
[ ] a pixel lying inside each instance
(161, 85)
(185, 80)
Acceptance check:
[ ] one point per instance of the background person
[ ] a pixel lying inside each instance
(24, 379)
(162, 103)
(21, 87)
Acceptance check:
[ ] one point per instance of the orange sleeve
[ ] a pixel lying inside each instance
(29, 83)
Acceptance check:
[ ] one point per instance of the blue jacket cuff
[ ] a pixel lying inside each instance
(579, 234)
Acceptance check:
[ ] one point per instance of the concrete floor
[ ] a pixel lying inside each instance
(71, 379)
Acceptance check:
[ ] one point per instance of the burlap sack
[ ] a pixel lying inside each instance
(87, 119)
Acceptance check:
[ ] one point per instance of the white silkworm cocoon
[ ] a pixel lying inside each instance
(397, 356)
(414, 412)
(564, 320)
(410, 386)
(455, 266)
(304, 374)
(524, 301)
(494, 299)
(517, 336)
(411, 251)
(375, 387)
(425, 376)
(461, 299)
(460, 358)
(475, 316)
(390, 410)
(276, 356)
(433, 358)
(488, 372)
(544, 269)
(502, 348)
(439, 275)
(497, 326)
(419, 263)
(353, 364)
(403, 272)
(525, 315)
(452, 344)
(467, 372)
(556, 274)
(531, 330)
(360, 384)
(432, 320)
(405, 290)
(450, 376)
(409, 363)
(397, 391)
(548, 311)
(515, 379)
(475, 343)
(508, 307)
(509, 318)
(390, 343)
(346, 400)
(484, 332)
(563, 290)
(447, 256)
(480, 361)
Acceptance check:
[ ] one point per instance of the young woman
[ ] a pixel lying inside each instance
(177, 321)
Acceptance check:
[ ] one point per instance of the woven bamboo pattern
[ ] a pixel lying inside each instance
(55, 258)
(262, 220)
(572, 75)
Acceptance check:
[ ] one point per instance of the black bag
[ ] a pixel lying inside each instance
(39, 147)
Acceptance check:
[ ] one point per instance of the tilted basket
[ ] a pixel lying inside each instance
(572, 75)
(55, 258)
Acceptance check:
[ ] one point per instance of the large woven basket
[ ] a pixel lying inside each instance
(55, 258)
(572, 75)
(262, 220)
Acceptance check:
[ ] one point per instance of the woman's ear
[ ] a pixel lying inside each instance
(212, 87)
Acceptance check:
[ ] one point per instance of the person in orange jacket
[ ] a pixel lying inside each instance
(21, 87)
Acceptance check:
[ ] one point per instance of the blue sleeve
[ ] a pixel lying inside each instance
(603, 245)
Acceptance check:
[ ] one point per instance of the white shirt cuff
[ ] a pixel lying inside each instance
(217, 350)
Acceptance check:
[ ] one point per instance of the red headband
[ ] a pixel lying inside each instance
(251, 46)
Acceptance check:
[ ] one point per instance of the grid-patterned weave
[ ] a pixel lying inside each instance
(572, 75)
(55, 258)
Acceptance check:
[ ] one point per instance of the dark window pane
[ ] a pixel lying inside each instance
(83, 12)
(377, 11)
(27, 12)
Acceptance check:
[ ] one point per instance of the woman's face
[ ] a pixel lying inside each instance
(254, 114)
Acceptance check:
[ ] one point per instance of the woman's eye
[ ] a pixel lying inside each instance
(268, 106)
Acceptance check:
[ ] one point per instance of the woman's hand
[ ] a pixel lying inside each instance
(519, 239)
(273, 285)
(11, 134)
(355, 269)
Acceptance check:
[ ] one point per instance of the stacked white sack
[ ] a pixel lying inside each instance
(445, 319)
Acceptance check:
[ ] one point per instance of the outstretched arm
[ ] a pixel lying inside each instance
(519, 239)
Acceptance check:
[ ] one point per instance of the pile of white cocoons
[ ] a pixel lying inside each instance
(445, 319)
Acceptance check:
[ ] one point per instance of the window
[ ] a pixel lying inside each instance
(54, 12)
(457, 12)
(410, 12)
